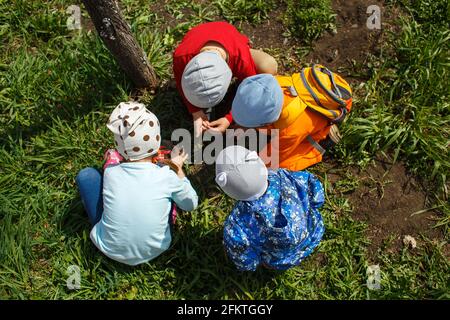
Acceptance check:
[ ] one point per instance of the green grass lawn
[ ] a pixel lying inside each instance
(58, 87)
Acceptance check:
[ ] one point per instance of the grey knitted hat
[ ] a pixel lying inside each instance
(206, 79)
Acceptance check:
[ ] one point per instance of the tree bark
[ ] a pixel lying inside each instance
(117, 36)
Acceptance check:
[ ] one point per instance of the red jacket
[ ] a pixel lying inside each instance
(236, 44)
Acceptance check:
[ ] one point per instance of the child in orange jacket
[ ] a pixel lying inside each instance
(301, 107)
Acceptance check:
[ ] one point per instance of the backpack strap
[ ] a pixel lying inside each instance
(330, 114)
(315, 144)
(310, 90)
(335, 94)
(292, 110)
(333, 116)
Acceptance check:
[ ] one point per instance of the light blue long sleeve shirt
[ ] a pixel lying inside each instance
(134, 227)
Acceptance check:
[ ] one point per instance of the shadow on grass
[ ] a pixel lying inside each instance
(204, 271)
(59, 83)
(196, 260)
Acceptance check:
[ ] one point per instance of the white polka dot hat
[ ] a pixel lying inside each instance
(136, 130)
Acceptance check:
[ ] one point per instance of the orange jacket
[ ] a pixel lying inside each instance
(302, 124)
(294, 151)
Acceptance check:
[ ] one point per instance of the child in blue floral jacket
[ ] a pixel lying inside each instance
(276, 222)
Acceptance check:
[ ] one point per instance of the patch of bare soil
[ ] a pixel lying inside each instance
(270, 33)
(159, 8)
(393, 204)
(349, 46)
(353, 41)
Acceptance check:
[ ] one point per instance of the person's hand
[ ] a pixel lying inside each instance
(220, 125)
(200, 122)
(178, 158)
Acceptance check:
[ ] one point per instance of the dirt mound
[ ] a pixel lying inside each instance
(350, 45)
(393, 204)
(353, 41)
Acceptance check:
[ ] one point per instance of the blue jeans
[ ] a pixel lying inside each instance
(90, 185)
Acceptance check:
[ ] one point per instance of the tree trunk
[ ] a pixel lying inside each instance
(117, 36)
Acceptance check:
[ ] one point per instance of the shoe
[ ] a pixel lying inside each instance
(111, 157)
(173, 213)
(333, 138)
(334, 134)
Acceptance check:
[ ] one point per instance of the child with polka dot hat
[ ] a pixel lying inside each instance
(130, 205)
(136, 131)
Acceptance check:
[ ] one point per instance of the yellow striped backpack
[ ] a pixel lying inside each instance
(319, 89)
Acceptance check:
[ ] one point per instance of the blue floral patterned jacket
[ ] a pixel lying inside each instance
(279, 229)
